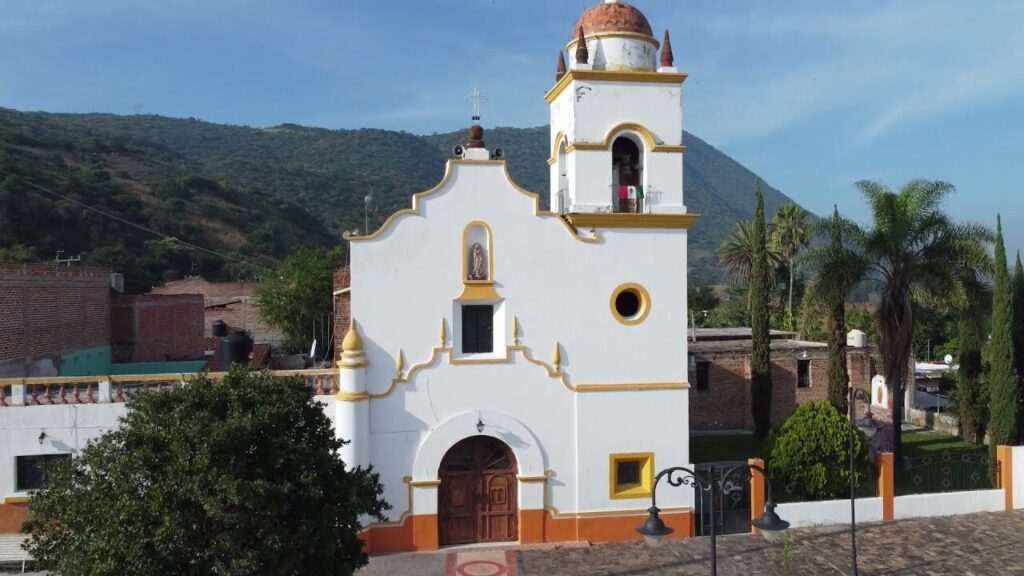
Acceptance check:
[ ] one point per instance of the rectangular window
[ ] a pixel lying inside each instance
(703, 376)
(631, 475)
(32, 470)
(477, 329)
(803, 373)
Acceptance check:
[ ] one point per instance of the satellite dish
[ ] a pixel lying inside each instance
(458, 150)
(499, 153)
(948, 359)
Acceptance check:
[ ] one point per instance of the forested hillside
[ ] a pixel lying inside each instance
(254, 194)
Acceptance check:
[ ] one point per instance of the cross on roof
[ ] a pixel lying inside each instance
(476, 97)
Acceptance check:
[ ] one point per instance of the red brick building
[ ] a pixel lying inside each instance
(342, 302)
(53, 318)
(157, 328)
(720, 395)
(232, 302)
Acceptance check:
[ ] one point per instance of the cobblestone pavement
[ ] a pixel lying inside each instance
(990, 544)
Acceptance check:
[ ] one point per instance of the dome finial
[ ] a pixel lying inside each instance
(667, 58)
(352, 342)
(582, 54)
(560, 68)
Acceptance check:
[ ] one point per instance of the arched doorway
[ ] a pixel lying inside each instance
(477, 497)
(627, 173)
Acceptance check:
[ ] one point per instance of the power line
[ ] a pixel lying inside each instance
(140, 226)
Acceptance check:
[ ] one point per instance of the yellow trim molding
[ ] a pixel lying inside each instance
(629, 220)
(613, 76)
(631, 35)
(353, 366)
(16, 500)
(648, 137)
(407, 480)
(552, 371)
(532, 478)
(559, 139)
(415, 210)
(620, 491)
(554, 513)
(642, 295)
(466, 249)
(424, 483)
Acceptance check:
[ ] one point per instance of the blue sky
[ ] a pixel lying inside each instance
(811, 95)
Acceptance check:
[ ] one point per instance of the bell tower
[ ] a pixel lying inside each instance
(616, 118)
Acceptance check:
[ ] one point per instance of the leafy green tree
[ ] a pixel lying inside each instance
(1005, 398)
(802, 454)
(915, 253)
(239, 476)
(760, 360)
(298, 299)
(837, 270)
(701, 301)
(790, 234)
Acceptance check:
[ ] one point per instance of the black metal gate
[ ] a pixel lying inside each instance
(732, 507)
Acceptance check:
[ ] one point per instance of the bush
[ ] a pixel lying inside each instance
(239, 476)
(808, 455)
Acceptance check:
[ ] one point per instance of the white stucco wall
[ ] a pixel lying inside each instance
(828, 512)
(68, 428)
(558, 287)
(948, 503)
(1017, 464)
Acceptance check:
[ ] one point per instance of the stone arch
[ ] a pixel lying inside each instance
(463, 425)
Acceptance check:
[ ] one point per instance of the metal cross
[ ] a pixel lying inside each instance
(476, 97)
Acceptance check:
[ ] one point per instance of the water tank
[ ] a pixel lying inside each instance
(220, 329)
(856, 339)
(235, 348)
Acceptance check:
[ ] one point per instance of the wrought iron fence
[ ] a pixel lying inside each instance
(867, 487)
(732, 507)
(947, 472)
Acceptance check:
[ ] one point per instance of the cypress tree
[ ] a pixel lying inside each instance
(838, 378)
(1018, 338)
(1003, 403)
(760, 361)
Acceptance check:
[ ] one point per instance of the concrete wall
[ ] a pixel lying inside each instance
(948, 503)
(826, 512)
(48, 311)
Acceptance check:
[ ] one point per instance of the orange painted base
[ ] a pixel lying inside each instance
(12, 516)
(419, 533)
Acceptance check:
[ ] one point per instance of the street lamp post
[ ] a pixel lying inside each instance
(653, 529)
(868, 425)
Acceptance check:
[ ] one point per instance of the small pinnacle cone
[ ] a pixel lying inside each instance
(667, 58)
(560, 70)
(582, 54)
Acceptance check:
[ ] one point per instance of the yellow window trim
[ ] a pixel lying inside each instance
(645, 303)
(617, 491)
(627, 220)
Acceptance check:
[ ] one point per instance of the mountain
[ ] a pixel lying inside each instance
(254, 194)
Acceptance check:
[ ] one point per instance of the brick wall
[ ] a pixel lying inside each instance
(726, 403)
(232, 302)
(342, 302)
(156, 328)
(46, 311)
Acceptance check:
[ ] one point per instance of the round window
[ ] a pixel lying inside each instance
(630, 304)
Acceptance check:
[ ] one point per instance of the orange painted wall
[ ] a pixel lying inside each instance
(419, 533)
(886, 484)
(12, 516)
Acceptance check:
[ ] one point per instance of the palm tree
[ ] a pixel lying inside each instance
(790, 234)
(736, 254)
(917, 255)
(837, 269)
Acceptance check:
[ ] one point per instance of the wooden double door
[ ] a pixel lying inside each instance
(477, 496)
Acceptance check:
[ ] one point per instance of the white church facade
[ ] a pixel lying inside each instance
(514, 373)
(519, 374)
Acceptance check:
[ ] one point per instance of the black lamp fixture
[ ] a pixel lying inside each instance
(869, 427)
(480, 424)
(42, 437)
(654, 529)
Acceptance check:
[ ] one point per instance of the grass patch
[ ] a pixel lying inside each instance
(715, 448)
(924, 443)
